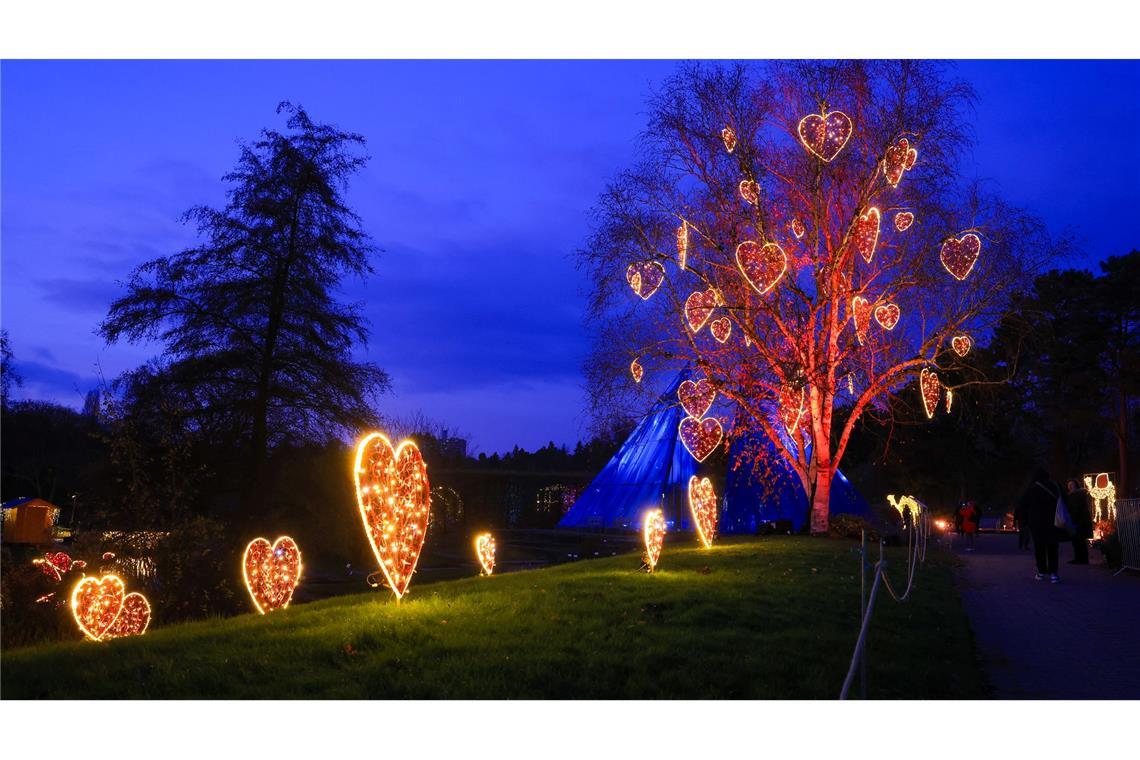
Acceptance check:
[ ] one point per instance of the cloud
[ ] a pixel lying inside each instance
(44, 382)
(81, 296)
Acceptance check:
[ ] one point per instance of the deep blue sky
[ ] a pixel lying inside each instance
(478, 189)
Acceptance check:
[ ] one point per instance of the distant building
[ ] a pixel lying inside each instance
(29, 520)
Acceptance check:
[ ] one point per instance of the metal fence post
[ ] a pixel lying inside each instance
(1128, 531)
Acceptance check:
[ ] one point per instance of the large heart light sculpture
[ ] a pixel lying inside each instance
(653, 535)
(861, 315)
(958, 255)
(702, 505)
(899, 158)
(696, 397)
(792, 407)
(750, 191)
(485, 551)
(394, 498)
(931, 390)
(699, 307)
(865, 233)
(887, 315)
(961, 344)
(133, 618)
(721, 329)
(271, 572)
(645, 277)
(700, 437)
(96, 602)
(683, 245)
(903, 220)
(729, 137)
(825, 134)
(762, 265)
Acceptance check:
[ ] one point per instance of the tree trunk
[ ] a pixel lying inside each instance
(1122, 480)
(821, 499)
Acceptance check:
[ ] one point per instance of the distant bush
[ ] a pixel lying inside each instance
(851, 526)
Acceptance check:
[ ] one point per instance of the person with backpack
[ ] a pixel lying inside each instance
(1039, 504)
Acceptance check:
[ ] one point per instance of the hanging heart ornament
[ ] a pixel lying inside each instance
(271, 572)
(750, 191)
(903, 220)
(645, 277)
(861, 315)
(696, 397)
(792, 407)
(699, 307)
(899, 158)
(653, 535)
(700, 437)
(721, 329)
(961, 344)
(958, 255)
(485, 551)
(931, 390)
(636, 370)
(394, 498)
(798, 228)
(729, 137)
(702, 506)
(825, 134)
(887, 315)
(865, 233)
(682, 245)
(761, 265)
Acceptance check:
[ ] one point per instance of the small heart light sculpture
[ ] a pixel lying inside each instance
(792, 407)
(701, 437)
(729, 137)
(683, 245)
(645, 277)
(96, 602)
(699, 307)
(865, 233)
(56, 564)
(931, 390)
(394, 498)
(959, 255)
(798, 228)
(636, 370)
(653, 534)
(721, 329)
(887, 315)
(825, 134)
(762, 265)
(702, 505)
(899, 158)
(133, 618)
(750, 191)
(271, 572)
(903, 220)
(961, 344)
(696, 397)
(485, 551)
(861, 315)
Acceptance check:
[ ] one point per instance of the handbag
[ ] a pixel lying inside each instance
(1062, 520)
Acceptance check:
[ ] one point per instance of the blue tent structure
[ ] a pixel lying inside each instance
(652, 468)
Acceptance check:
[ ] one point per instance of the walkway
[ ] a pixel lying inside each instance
(1079, 639)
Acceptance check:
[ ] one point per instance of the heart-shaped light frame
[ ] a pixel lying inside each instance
(699, 307)
(961, 344)
(903, 220)
(825, 134)
(861, 315)
(749, 191)
(133, 618)
(793, 404)
(271, 572)
(96, 602)
(653, 536)
(865, 233)
(898, 159)
(645, 277)
(696, 397)
(728, 135)
(931, 390)
(700, 437)
(702, 506)
(763, 266)
(721, 329)
(798, 228)
(958, 255)
(485, 552)
(887, 315)
(636, 370)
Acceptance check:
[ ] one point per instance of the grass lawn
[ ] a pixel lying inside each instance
(752, 618)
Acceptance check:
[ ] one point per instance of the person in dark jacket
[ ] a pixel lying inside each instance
(1039, 503)
(1077, 500)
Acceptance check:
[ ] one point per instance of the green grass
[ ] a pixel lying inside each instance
(753, 618)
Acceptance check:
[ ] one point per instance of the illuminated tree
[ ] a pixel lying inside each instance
(800, 236)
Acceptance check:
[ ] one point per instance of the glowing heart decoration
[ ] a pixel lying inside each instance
(394, 498)
(56, 564)
(961, 344)
(645, 277)
(699, 307)
(133, 618)
(702, 506)
(729, 136)
(931, 390)
(271, 572)
(96, 602)
(636, 370)
(653, 535)
(825, 134)
(721, 329)
(762, 265)
(903, 220)
(485, 551)
(959, 255)
(792, 407)
(861, 315)
(899, 158)
(683, 245)
(887, 315)
(701, 437)
(865, 233)
(750, 191)
(798, 228)
(696, 398)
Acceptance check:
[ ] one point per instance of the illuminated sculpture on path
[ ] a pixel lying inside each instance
(485, 551)
(1103, 491)
(271, 572)
(702, 505)
(653, 535)
(904, 504)
(394, 498)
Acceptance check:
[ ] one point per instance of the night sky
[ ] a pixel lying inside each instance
(481, 177)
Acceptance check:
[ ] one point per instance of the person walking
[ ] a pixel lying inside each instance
(970, 519)
(1039, 503)
(1077, 500)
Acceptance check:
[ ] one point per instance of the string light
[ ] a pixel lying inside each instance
(792, 407)
(906, 503)
(887, 315)
(949, 399)
(485, 551)
(702, 505)
(861, 315)
(271, 572)
(749, 191)
(721, 329)
(958, 255)
(865, 234)
(798, 228)
(683, 244)
(931, 391)
(700, 437)
(825, 134)
(1102, 489)
(653, 535)
(699, 307)
(762, 265)
(133, 618)
(394, 498)
(103, 610)
(903, 220)
(645, 277)
(57, 564)
(636, 370)
(696, 397)
(961, 344)
(899, 158)
(729, 136)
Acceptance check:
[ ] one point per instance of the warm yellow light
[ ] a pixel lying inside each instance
(653, 535)
(699, 307)
(903, 220)
(721, 329)
(271, 572)
(103, 610)
(931, 390)
(749, 191)
(485, 551)
(645, 277)
(762, 265)
(958, 255)
(696, 397)
(729, 137)
(636, 370)
(887, 315)
(702, 506)
(865, 234)
(1103, 491)
(700, 437)
(683, 244)
(961, 344)
(899, 158)
(825, 134)
(906, 503)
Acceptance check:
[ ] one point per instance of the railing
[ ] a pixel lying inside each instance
(1128, 530)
